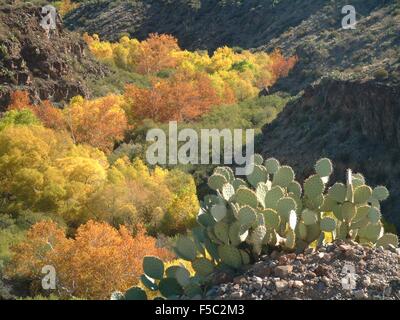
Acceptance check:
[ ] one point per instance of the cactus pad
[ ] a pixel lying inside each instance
(380, 193)
(149, 283)
(388, 239)
(290, 241)
(374, 215)
(272, 165)
(257, 238)
(284, 176)
(273, 196)
(313, 186)
(230, 256)
(135, 293)
(285, 206)
(235, 232)
(247, 216)
(362, 194)
(324, 167)
(245, 257)
(295, 188)
(216, 181)
(153, 267)
(237, 183)
(258, 175)
(271, 218)
(261, 192)
(185, 248)
(228, 191)
(371, 232)
(245, 196)
(218, 211)
(221, 231)
(182, 275)
(338, 192)
(314, 203)
(348, 211)
(328, 224)
(302, 230)
(258, 159)
(226, 172)
(309, 217)
(169, 287)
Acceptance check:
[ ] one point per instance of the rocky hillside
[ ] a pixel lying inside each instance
(54, 68)
(310, 28)
(338, 271)
(354, 123)
(324, 48)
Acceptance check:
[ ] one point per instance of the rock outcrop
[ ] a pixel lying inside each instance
(54, 68)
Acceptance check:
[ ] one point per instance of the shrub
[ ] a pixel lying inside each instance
(381, 74)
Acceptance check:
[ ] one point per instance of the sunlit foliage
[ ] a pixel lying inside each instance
(243, 73)
(100, 122)
(98, 261)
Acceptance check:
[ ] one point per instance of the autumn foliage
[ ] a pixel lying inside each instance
(99, 123)
(241, 75)
(49, 115)
(98, 261)
(282, 66)
(178, 98)
(43, 171)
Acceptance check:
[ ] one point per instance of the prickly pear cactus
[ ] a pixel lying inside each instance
(269, 208)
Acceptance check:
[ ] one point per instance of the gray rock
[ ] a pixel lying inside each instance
(326, 281)
(237, 295)
(360, 294)
(281, 285)
(298, 284)
(283, 271)
(366, 281)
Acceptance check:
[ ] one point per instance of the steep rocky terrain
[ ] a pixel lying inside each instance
(338, 271)
(309, 28)
(325, 48)
(354, 123)
(54, 68)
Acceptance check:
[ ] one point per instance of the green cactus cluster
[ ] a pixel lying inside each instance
(170, 283)
(269, 208)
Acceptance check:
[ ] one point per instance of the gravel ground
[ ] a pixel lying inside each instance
(338, 271)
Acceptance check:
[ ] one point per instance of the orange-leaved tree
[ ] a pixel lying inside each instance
(97, 262)
(155, 54)
(178, 98)
(280, 65)
(100, 122)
